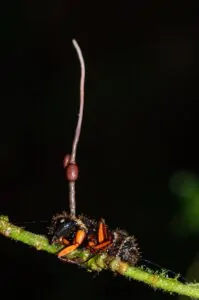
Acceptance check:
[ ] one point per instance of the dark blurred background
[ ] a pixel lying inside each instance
(138, 152)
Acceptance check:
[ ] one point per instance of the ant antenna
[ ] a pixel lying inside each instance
(70, 160)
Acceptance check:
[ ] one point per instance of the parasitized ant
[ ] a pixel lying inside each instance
(74, 231)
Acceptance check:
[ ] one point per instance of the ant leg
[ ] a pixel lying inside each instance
(65, 241)
(79, 237)
(103, 239)
(103, 245)
(102, 231)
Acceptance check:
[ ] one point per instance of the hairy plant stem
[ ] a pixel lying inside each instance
(101, 262)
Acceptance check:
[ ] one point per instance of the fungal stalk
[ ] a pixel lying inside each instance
(70, 159)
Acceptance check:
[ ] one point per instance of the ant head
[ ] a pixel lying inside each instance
(62, 225)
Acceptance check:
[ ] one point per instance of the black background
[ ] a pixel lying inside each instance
(140, 127)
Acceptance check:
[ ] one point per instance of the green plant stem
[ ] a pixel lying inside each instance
(101, 262)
